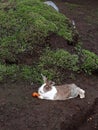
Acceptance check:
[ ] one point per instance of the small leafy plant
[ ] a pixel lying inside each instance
(53, 64)
(90, 62)
(60, 59)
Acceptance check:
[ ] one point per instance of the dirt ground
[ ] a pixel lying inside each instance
(20, 111)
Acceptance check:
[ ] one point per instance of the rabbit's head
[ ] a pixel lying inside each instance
(47, 86)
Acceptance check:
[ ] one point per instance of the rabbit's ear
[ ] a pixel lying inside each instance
(44, 78)
(51, 83)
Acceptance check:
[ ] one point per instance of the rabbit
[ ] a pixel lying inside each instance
(62, 92)
(50, 3)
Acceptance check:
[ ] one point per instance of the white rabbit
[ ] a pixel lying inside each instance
(50, 92)
(50, 3)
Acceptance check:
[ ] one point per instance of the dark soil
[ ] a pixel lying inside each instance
(85, 15)
(20, 111)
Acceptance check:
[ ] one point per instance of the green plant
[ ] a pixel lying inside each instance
(19, 72)
(56, 64)
(53, 64)
(24, 25)
(59, 58)
(90, 62)
(26, 72)
(8, 72)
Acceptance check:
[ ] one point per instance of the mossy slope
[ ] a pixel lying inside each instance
(24, 25)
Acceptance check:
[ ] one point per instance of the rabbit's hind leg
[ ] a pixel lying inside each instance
(81, 93)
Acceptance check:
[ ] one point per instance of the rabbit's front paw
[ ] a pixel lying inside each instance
(41, 97)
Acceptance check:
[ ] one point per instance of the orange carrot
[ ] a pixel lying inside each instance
(35, 94)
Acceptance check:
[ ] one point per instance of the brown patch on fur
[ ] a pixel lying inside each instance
(63, 92)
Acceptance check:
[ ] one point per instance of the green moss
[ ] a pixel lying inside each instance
(25, 24)
(90, 62)
(57, 62)
(53, 64)
(59, 58)
(8, 72)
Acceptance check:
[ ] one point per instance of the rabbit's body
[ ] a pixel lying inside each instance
(50, 92)
(68, 91)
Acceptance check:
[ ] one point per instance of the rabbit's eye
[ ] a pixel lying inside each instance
(47, 88)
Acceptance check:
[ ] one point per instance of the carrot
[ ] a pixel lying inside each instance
(35, 94)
